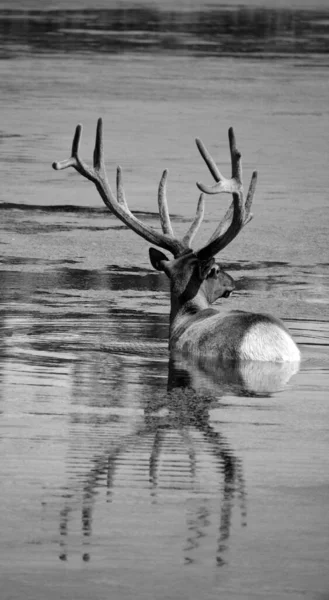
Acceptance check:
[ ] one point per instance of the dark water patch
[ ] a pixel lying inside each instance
(5, 135)
(239, 30)
(71, 208)
(53, 209)
(35, 227)
(301, 63)
(305, 320)
(321, 344)
(137, 314)
(95, 279)
(24, 260)
(119, 269)
(142, 349)
(245, 265)
(17, 160)
(267, 282)
(122, 273)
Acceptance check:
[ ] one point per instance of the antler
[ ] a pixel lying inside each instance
(118, 205)
(165, 218)
(238, 214)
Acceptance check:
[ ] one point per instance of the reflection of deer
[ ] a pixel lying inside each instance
(174, 422)
(246, 378)
(179, 421)
(196, 279)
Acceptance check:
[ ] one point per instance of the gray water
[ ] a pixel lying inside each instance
(124, 476)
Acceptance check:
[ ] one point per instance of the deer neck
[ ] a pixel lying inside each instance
(183, 310)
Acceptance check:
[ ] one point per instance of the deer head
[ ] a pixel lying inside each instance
(196, 279)
(195, 283)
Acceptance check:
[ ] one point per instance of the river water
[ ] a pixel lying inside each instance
(124, 476)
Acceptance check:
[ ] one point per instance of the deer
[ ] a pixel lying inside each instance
(196, 328)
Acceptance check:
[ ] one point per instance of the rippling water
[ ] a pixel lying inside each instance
(125, 475)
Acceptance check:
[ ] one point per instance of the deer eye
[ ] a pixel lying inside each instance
(212, 273)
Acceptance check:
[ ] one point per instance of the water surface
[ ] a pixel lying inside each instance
(124, 474)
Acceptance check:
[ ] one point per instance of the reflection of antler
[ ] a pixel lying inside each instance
(103, 468)
(154, 459)
(186, 413)
(197, 521)
(63, 530)
(233, 482)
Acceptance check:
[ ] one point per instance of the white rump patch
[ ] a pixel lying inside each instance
(267, 341)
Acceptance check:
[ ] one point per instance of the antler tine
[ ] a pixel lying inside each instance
(163, 205)
(165, 217)
(238, 213)
(188, 237)
(120, 190)
(208, 160)
(235, 157)
(226, 220)
(223, 185)
(73, 161)
(98, 150)
(250, 195)
(76, 140)
(221, 241)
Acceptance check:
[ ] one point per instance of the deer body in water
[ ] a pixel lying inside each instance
(197, 280)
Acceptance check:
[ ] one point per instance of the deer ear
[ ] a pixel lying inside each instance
(158, 259)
